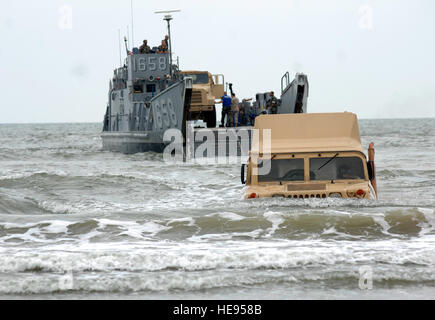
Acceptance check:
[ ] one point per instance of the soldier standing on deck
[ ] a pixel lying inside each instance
(144, 48)
(163, 48)
(234, 115)
(244, 106)
(226, 109)
(273, 104)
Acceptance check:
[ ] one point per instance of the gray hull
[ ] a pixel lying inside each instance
(130, 143)
(133, 126)
(223, 142)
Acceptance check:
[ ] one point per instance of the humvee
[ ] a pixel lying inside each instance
(206, 89)
(309, 156)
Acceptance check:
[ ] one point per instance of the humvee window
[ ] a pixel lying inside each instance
(198, 78)
(284, 170)
(344, 168)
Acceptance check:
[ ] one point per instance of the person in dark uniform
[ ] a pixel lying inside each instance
(273, 104)
(144, 48)
(244, 106)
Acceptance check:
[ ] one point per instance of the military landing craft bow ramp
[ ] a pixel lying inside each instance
(149, 95)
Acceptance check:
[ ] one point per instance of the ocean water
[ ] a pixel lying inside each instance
(77, 222)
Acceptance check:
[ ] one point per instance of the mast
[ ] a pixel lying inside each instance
(119, 41)
(132, 25)
(168, 18)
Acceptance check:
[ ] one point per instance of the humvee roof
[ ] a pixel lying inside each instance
(314, 132)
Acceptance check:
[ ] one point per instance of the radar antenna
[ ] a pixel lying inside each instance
(168, 18)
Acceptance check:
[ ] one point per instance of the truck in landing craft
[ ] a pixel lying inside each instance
(309, 156)
(207, 88)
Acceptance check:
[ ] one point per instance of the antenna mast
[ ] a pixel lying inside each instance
(128, 36)
(119, 41)
(132, 25)
(168, 18)
(126, 46)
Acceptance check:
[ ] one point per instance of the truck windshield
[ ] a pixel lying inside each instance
(283, 170)
(198, 78)
(336, 169)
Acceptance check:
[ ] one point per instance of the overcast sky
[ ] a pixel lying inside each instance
(374, 58)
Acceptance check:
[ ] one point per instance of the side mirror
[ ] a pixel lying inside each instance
(370, 170)
(242, 174)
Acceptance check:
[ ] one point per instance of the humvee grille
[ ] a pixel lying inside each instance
(302, 195)
(307, 196)
(196, 97)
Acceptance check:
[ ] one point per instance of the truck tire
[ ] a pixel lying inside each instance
(210, 118)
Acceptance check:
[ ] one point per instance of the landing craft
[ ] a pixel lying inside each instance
(309, 156)
(149, 95)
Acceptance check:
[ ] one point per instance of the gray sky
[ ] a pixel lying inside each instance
(374, 58)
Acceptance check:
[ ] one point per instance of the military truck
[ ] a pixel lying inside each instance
(309, 156)
(206, 89)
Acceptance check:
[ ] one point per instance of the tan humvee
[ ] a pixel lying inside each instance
(206, 89)
(309, 156)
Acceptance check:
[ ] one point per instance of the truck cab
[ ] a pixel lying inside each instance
(206, 89)
(309, 156)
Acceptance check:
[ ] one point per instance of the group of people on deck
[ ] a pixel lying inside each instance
(163, 48)
(235, 112)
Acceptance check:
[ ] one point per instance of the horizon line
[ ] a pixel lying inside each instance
(95, 122)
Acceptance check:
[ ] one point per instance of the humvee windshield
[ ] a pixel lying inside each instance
(198, 78)
(283, 170)
(336, 168)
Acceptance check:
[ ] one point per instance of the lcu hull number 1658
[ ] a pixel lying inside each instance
(151, 63)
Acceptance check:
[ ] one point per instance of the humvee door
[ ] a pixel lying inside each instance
(218, 88)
